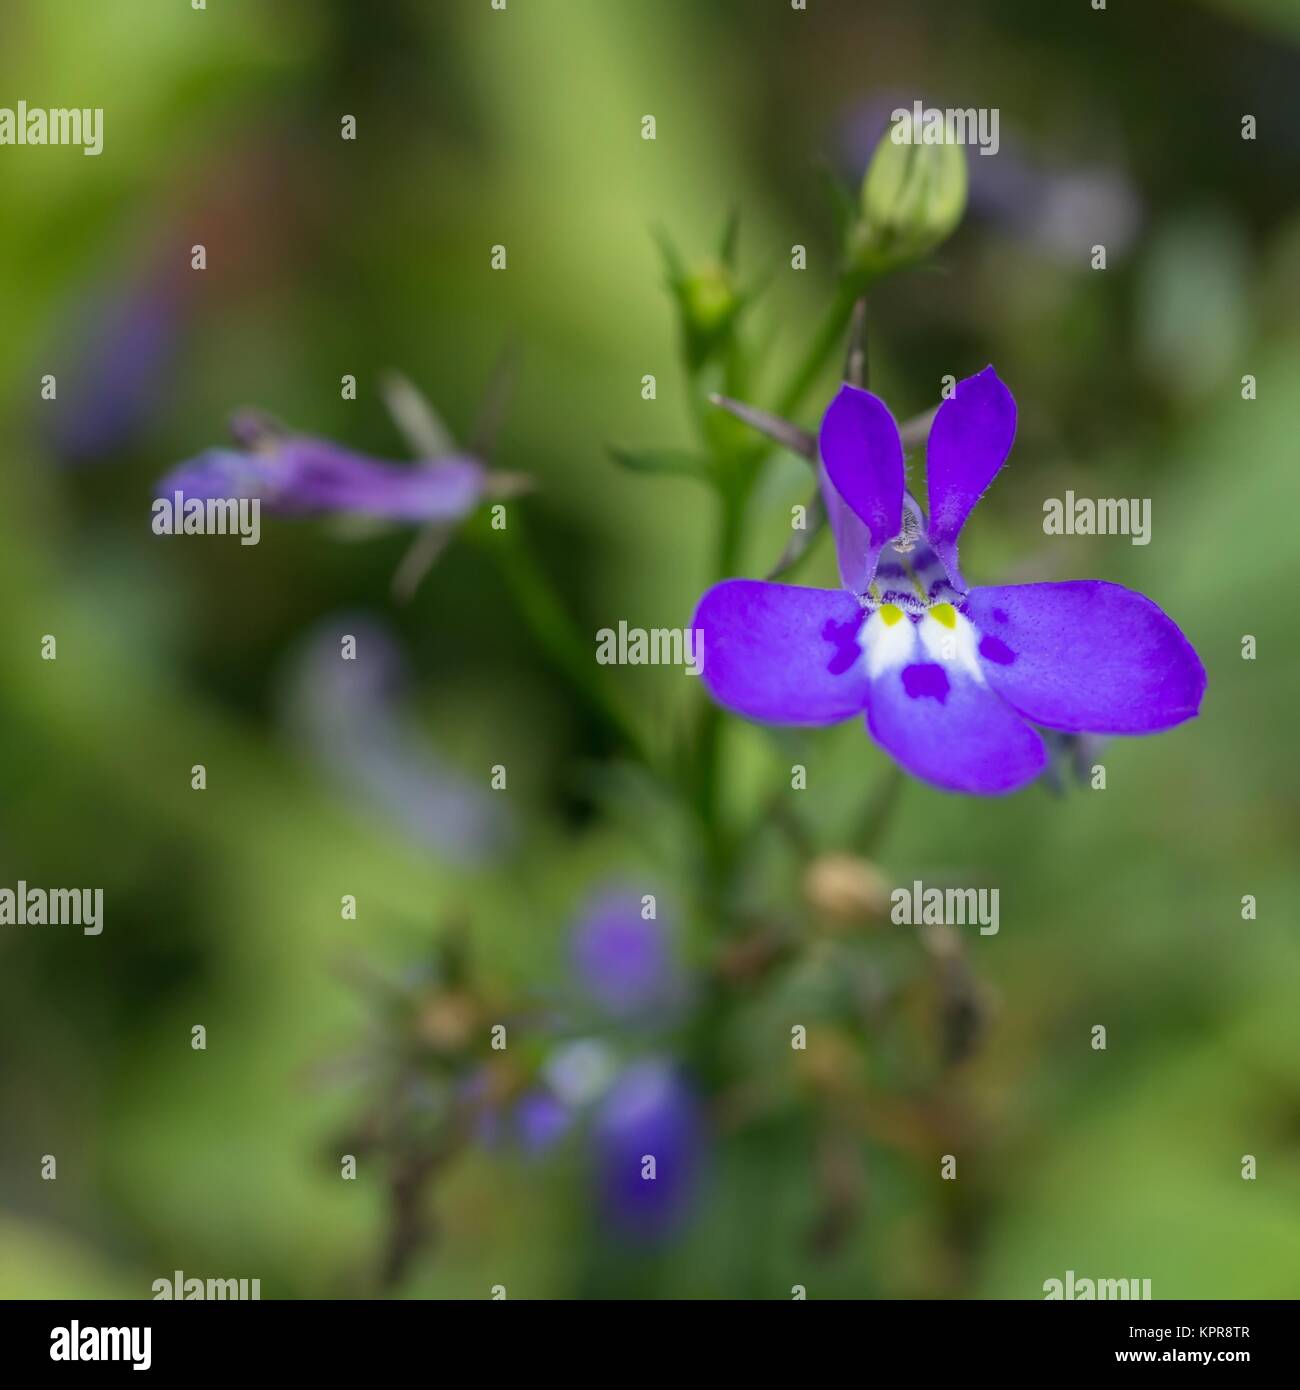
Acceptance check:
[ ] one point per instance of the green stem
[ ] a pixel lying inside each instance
(553, 627)
(738, 476)
(822, 346)
(879, 810)
(734, 495)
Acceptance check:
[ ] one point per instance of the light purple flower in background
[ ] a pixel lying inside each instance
(1058, 208)
(649, 1113)
(125, 346)
(623, 962)
(300, 476)
(950, 678)
(1062, 211)
(533, 1123)
(349, 717)
(574, 1075)
(541, 1120)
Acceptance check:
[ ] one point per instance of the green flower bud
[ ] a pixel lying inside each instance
(913, 197)
(709, 303)
(709, 298)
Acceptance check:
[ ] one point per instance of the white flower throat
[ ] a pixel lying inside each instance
(912, 616)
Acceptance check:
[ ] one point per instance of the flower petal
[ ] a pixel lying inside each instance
(863, 457)
(782, 654)
(650, 1112)
(854, 551)
(351, 719)
(622, 959)
(969, 442)
(317, 476)
(1087, 656)
(218, 473)
(302, 476)
(541, 1120)
(931, 711)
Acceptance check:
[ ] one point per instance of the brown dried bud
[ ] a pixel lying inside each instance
(845, 889)
(447, 1021)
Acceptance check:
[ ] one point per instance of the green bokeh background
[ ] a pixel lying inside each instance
(327, 257)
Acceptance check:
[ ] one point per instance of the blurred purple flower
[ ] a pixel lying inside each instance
(125, 344)
(348, 715)
(541, 1120)
(622, 960)
(649, 1149)
(1062, 212)
(299, 476)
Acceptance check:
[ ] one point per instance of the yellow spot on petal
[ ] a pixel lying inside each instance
(945, 613)
(890, 614)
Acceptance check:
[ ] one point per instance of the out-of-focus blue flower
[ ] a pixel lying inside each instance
(125, 343)
(573, 1076)
(649, 1150)
(1061, 212)
(348, 716)
(299, 476)
(541, 1120)
(641, 1122)
(623, 961)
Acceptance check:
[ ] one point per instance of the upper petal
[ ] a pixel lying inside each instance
(930, 709)
(855, 552)
(863, 458)
(782, 654)
(969, 442)
(1087, 656)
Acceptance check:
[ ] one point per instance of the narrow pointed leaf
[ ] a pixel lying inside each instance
(855, 359)
(418, 422)
(916, 431)
(419, 560)
(492, 411)
(789, 436)
(681, 462)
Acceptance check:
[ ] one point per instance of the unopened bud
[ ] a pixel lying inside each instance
(846, 889)
(708, 298)
(446, 1021)
(913, 197)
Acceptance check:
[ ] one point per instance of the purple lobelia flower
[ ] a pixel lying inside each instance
(950, 678)
(127, 347)
(648, 1136)
(541, 1120)
(299, 476)
(623, 960)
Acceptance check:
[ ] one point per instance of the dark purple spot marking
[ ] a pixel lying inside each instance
(844, 637)
(995, 649)
(920, 681)
(999, 615)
